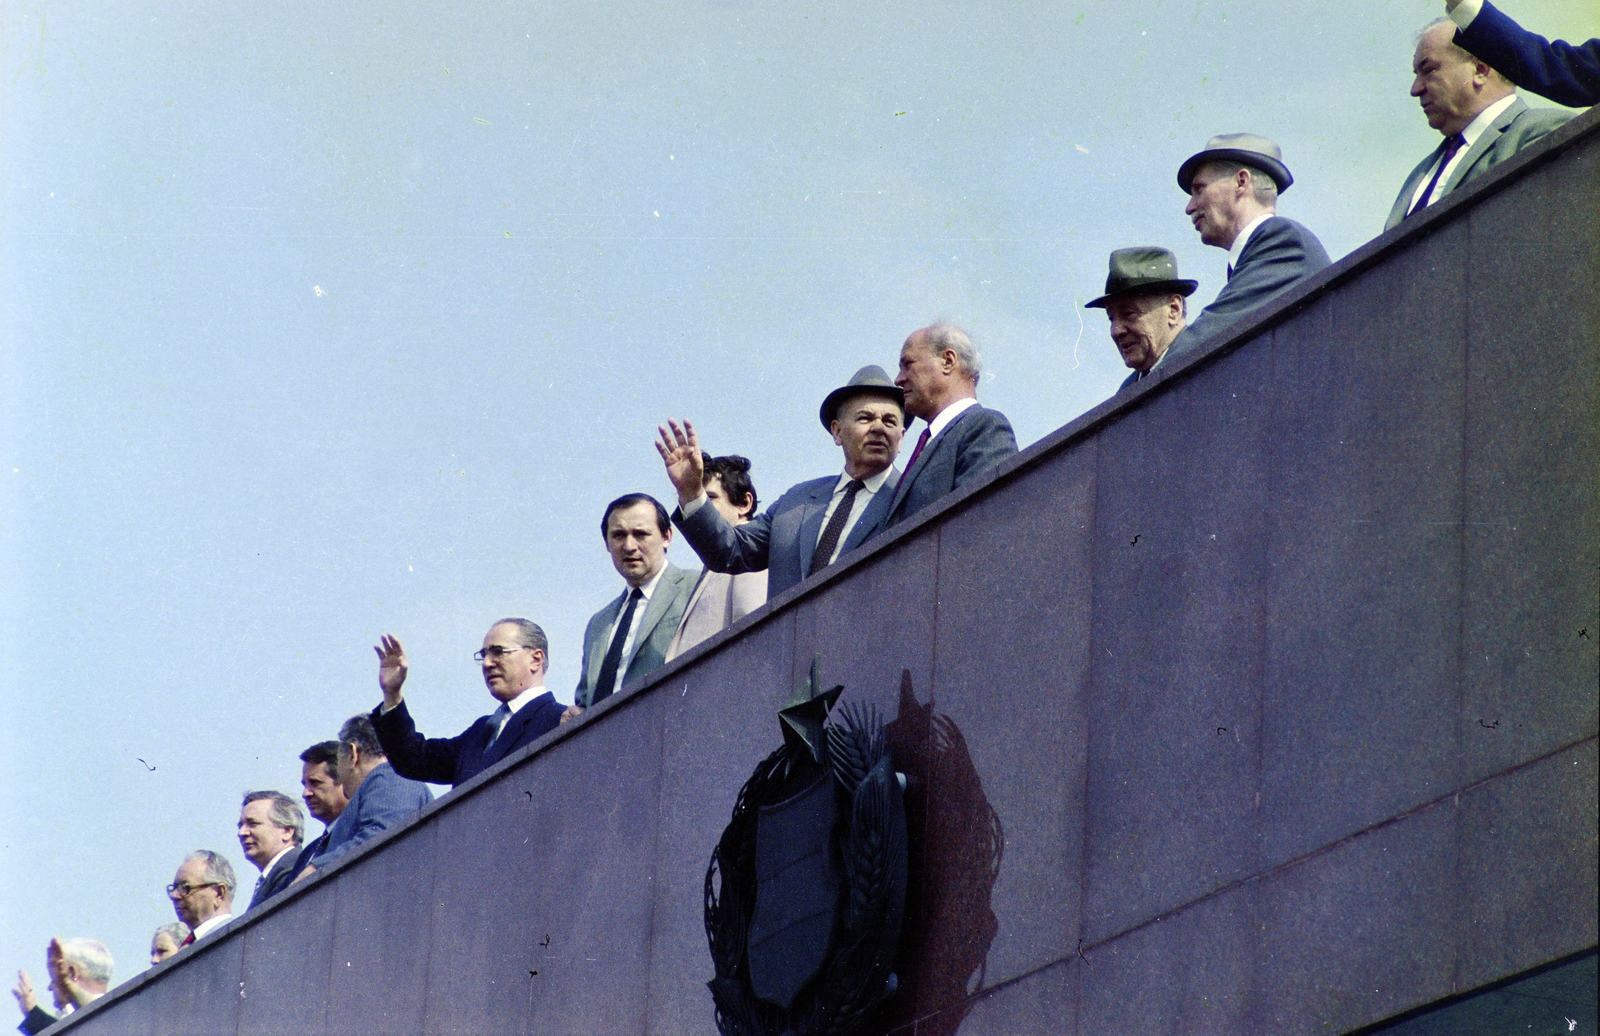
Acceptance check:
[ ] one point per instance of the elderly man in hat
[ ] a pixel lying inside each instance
(1233, 187)
(1144, 300)
(815, 522)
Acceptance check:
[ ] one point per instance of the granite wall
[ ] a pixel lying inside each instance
(1261, 698)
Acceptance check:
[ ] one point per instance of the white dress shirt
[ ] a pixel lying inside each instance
(870, 487)
(632, 631)
(1473, 131)
(942, 419)
(518, 702)
(1237, 248)
(210, 924)
(1465, 12)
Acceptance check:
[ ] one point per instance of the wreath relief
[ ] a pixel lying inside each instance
(806, 888)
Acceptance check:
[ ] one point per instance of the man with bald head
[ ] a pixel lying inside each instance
(513, 658)
(962, 440)
(1477, 112)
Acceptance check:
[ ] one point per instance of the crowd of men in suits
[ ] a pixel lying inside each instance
(375, 774)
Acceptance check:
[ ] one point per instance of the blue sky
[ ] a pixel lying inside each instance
(324, 321)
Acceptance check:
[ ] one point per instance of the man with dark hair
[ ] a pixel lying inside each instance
(1477, 112)
(719, 600)
(1145, 301)
(815, 522)
(1566, 73)
(514, 658)
(379, 798)
(1233, 187)
(322, 793)
(939, 371)
(628, 638)
(202, 893)
(271, 828)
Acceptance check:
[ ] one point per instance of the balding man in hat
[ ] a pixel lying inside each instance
(1144, 300)
(815, 522)
(1233, 187)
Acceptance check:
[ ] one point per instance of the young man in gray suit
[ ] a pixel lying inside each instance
(816, 522)
(939, 370)
(628, 638)
(1475, 109)
(1233, 187)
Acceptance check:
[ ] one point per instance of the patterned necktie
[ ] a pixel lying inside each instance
(1450, 148)
(830, 536)
(608, 669)
(501, 715)
(922, 440)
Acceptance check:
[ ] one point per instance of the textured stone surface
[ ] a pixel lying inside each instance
(295, 951)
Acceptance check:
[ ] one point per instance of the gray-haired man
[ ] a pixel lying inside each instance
(271, 829)
(379, 797)
(80, 971)
(202, 893)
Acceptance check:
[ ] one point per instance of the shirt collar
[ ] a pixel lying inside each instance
(211, 924)
(291, 847)
(942, 420)
(648, 588)
(531, 693)
(1243, 239)
(872, 483)
(1475, 128)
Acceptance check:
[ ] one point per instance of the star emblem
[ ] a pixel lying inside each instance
(805, 713)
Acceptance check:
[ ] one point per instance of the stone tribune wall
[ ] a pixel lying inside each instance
(1260, 699)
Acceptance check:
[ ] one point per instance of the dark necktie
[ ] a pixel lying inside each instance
(922, 440)
(830, 536)
(1230, 271)
(608, 668)
(1451, 146)
(261, 883)
(500, 718)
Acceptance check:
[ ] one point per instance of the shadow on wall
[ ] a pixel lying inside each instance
(956, 844)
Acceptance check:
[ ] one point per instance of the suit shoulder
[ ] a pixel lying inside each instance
(1539, 121)
(803, 491)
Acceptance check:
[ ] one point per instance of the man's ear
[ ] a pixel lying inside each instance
(833, 427)
(544, 663)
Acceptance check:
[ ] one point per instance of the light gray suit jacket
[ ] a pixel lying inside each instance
(656, 629)
(1516, 128)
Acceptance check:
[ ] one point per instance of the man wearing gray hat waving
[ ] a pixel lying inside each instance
(1144, 300)
(1233, 187)
(815, 522)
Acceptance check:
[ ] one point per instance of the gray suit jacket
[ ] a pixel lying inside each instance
(977, 440)
(1516, 128)
(656, 628)
(781, 539)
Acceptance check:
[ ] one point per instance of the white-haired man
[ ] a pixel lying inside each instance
(271, 831)
(80, 972)
(202, 893)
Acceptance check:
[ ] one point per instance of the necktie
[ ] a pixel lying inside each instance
(922, 440)
(186, 940)
(830, 536)
(1451, 146)
(499, 718)
(1230, 271)
(260, 883)
(608, 668)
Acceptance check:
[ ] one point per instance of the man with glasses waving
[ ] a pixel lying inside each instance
(514, 658)
(202, 893)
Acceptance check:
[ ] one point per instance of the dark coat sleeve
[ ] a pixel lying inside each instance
(1281, 253)
(36, 1021)
(431, 759)
(1566, 73)
(727, 548)
(386, 798)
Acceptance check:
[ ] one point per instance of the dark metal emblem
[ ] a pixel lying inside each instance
(806, 889)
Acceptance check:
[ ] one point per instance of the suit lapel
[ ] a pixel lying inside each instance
(597, 650)
(1485, 141)
(666, 590)
(508, 736)
(811, 525)
(871, 519)
(1402, 204)
(929, 451)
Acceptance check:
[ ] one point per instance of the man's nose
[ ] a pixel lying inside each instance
(1416, 87)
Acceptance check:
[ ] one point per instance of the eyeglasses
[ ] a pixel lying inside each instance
(188, 889)
(496, 652)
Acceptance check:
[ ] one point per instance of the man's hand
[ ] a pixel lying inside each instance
(571, 712)
(24, 993)
(391, 669)
(680, 451)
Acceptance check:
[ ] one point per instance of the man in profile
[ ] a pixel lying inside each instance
(1477, 112)
(379, 798)
(80, 972)
(939, 372)
(1144, 300)
(271, 828)
(322, 793)
(514, 657)
(815, 522)
(628, 639)
(1233, 187)
(202, 893)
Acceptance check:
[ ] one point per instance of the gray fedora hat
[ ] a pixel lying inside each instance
(1239, 147)
(1143, 269)
(870, 378)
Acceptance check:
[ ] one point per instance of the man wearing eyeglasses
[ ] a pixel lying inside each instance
(202, 893)
(514, 659)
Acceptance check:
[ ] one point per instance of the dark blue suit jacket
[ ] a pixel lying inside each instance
(458, 759)
(280, 877)
(384, 799)
(976, 441)
(783, 538)
(1566, 73)
(1279, 253)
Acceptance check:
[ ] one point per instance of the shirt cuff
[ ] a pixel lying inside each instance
(1465, 12)
(384, 708)
(694, 505)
